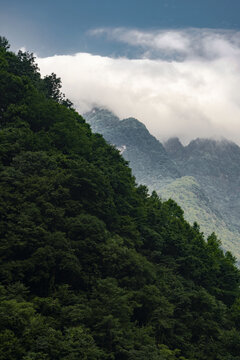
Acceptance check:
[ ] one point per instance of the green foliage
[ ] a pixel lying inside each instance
(52, 87)
(193, 199)
(91, 265)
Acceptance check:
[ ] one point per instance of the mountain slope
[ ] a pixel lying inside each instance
(216, 166)
(213, 167)
(92, 266)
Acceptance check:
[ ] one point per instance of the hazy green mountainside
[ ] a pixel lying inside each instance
(203, 177)
(216, 166)
(197, 206)
(91, 265)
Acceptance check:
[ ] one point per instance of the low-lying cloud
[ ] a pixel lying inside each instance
(186, 82)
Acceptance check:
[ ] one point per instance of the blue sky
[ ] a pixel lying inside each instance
(172, 64)
(61, 27)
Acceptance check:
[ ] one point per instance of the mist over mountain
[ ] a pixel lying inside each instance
(178, 82)
(203, 176)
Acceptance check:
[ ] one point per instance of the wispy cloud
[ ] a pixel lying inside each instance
(207, 43)
(185, 83)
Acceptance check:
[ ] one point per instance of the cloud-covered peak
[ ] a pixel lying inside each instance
(185, 83)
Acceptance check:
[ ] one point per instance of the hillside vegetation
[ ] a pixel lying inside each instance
(189, 194)
(92, 266)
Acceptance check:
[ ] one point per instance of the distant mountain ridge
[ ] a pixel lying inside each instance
(148, 158)
(203, 177)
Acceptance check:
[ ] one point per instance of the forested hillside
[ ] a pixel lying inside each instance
(197, 206)
(92, 266)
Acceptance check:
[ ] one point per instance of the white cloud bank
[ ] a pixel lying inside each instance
(185, 84)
